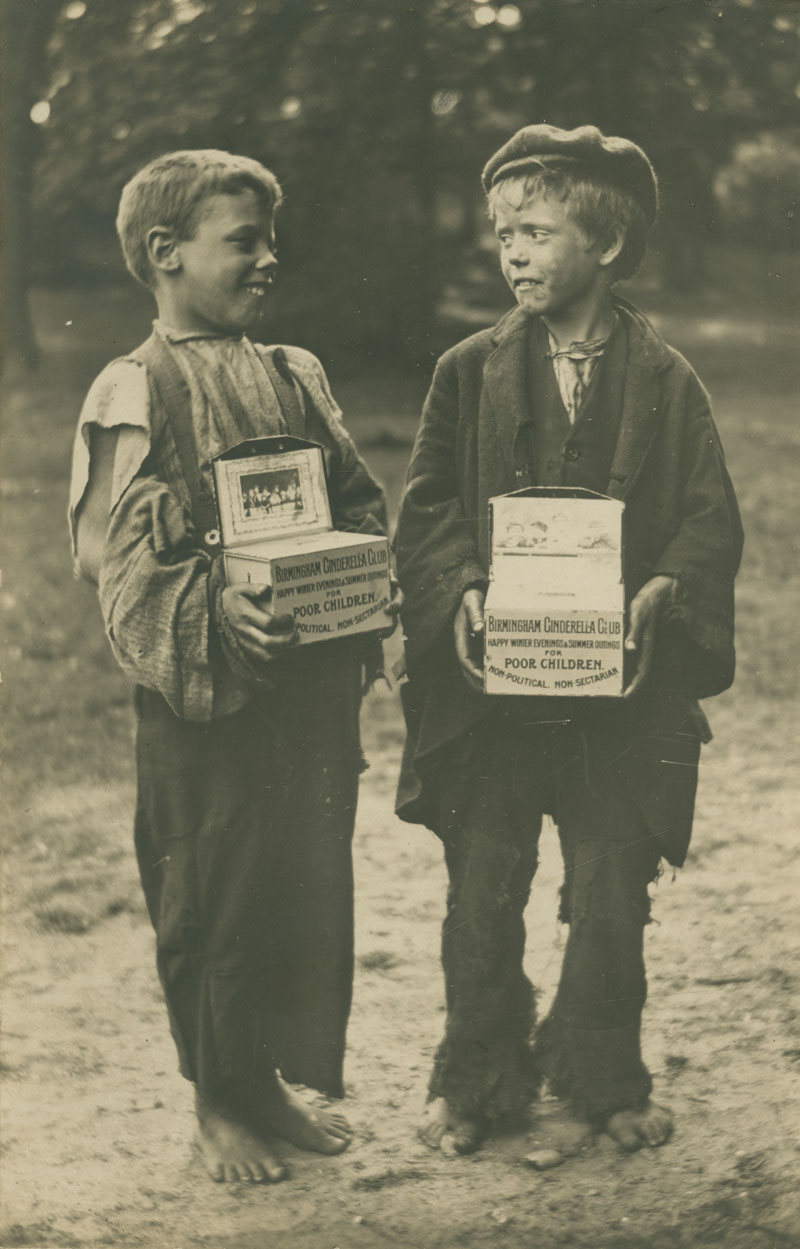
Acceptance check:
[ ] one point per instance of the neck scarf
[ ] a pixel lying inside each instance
(574, 368)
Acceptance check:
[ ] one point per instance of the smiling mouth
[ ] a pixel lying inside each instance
(258, 288)
(525, 283)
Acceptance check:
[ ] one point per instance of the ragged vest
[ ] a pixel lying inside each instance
(574, 455)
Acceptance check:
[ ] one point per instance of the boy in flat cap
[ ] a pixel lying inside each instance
(574, 388)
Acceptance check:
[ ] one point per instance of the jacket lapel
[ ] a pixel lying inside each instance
(641, 403)
(506, 402)
(505, 378)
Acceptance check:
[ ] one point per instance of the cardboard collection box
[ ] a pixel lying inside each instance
(276, 528)
(555, 608)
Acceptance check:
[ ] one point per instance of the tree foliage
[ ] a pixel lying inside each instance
(372, 111)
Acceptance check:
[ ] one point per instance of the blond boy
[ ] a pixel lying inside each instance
(573, 387)
(247, 748)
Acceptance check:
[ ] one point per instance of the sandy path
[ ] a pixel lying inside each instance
(98, 1127)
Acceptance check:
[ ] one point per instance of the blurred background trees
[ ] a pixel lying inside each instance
(377, 116)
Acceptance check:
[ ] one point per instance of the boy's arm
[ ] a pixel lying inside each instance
(691, 590)
(358, 504)
(173, 624)
(437, 556)
(91, 521)
(162, 599)
(709, 540)
(640, 639)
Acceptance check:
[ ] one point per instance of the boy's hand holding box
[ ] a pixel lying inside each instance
(554, 611)
(276, 530)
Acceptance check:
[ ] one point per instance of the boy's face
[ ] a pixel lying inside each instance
(225, 270)
(546, 258)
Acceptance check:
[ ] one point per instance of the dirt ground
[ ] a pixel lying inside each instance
(99, 1127)
(97, 1123)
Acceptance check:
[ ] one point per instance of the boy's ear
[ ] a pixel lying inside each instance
(162, 250)
(610, 247)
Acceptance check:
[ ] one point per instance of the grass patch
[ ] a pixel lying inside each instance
(69, 919)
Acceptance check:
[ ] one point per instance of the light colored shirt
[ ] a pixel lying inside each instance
(224, 374)
(574, 367)
(155, 581)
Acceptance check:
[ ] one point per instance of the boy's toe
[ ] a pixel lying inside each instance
(431, 1134)
(621, 1127)
(273, 1170)
(631, 1129)
(467, 1136)
(434, 1123)
(451, 1133)
(657, 1125)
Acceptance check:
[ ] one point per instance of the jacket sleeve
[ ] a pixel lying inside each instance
(703, 557)
(357, 500)
(157, 598)
(437, 556)
(157, 590)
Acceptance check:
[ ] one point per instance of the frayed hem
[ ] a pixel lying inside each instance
(496, 1086)
(596, 1072)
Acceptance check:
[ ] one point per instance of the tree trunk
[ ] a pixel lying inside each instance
(421, 158)
(25, 29)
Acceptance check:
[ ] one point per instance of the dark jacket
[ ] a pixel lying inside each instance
(681, 518)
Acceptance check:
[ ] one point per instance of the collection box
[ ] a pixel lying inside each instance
(555, 608)
(276, 529)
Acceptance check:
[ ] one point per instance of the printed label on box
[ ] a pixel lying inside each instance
(277, 531)
(554, 611)
(552, 651)
(340, 589)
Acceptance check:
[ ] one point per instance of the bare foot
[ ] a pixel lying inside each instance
(231, 1152)
(449, 1132)
(307, 1127)
(631, 1129)
(559, 1129)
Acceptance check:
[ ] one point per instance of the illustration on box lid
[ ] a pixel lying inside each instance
(581, 544)
(554, 610)
(268, 488)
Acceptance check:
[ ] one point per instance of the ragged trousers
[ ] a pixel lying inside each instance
(492, 1059)
(243, 831)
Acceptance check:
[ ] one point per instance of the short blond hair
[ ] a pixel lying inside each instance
(170, 192)
(598, 207)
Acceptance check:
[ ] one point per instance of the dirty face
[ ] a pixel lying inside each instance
(546, 258)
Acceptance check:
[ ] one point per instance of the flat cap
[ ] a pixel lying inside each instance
(618, 161)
